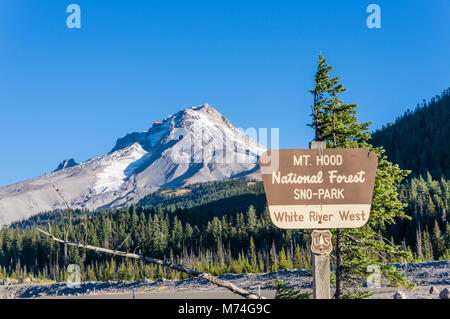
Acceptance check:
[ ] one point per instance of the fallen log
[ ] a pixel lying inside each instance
(219, 282)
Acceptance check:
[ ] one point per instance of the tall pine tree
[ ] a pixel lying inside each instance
(337, 124)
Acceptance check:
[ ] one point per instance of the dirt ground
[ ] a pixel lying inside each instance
(381, 293)
(424, 275)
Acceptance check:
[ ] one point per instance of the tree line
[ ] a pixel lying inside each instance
(232, 243)
(419, 140)
(241, 242)
(427, 232)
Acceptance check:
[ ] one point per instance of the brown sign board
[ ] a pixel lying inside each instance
(319, 188)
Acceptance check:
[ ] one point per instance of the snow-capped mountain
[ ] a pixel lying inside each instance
(197, 144)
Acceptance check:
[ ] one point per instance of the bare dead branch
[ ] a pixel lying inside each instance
(219, 282)
(68, 227)
(62, 197)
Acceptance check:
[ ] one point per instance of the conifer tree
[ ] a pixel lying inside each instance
(438, 242)
(427, 246)
(337, 124)
(284, 261)
(251, 219)
(447, 235)
(297, 258)
(253, 260)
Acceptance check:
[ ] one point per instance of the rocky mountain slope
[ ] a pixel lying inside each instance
(195, 145)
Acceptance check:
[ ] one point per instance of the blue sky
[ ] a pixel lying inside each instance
(71, 93)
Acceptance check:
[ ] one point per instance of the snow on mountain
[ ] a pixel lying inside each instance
(197, 144)
(116, 168)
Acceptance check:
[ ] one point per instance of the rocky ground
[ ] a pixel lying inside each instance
(424, 275)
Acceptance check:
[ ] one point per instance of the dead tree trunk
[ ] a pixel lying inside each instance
(190, 271)
(67, 229)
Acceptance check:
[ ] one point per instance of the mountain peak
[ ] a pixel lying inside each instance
(189, 119)
(70, 162)
(197, 144)
(203, 106)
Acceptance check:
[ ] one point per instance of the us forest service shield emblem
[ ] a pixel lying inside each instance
(321, 242)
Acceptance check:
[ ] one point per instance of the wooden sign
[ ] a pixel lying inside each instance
(321, 242)
(319, 188)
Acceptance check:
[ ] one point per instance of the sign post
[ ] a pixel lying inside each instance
(320, 258)
(319, 189)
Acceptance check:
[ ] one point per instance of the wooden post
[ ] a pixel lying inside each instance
(320, 263)
(339, 262)
(321, 276)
